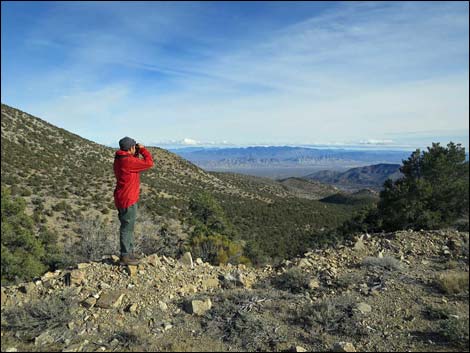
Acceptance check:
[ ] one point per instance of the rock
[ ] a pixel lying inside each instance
(3, 297)
(359, 245)
(110, 300)
(43, 339)
(169, 261)
(297, 349)
(199, 261)
(154, 260)
(313, 284)
(198, 307)
(74, 278)
(163, 306)
(82, 266)
(233, 279)
(11, 349)
(189, 288)
(304, 263)
(364, 308)
(104, 285)
(89, 302)
(131, 270)
(131, 308)
(77, 347)
(115, 259)
(50, 275)
(210, 283)
(343, 347)
(187, 260)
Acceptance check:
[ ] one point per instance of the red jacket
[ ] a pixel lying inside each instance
(127, 169)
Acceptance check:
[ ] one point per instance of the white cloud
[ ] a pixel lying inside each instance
(376, 142)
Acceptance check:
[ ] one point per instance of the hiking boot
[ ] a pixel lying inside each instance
(128, 260)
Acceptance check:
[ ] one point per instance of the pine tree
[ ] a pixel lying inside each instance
(433, 192)
(21, 251)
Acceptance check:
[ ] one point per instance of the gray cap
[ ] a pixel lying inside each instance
(126, 143)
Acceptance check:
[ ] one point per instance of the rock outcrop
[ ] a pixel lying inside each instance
(377, 283)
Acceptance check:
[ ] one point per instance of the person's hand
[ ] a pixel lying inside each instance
(140, 146)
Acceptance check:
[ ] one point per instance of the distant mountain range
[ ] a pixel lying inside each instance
(372, 176)
(279, 162)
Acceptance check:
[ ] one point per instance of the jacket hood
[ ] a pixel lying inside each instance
(122, 153)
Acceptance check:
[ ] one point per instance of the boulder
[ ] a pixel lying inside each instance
(187, 260)
(111, 299)
(198, 307)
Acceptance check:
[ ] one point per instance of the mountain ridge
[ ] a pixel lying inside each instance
(372, 176)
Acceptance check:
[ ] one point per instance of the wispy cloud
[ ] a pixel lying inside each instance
(166, 71)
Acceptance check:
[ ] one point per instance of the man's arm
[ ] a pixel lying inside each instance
(136, 164)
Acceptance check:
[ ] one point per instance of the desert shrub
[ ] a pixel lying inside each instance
(452, 282)
(330, 315)
(293, 280)
(61, 206)
(97, 239)
(129, 339)
(54, 257)
(436, 313)
(149, 234)
(216, 249)
(349, 279)
(455, 331)
(21, 251)
(35, 317)
(386, 262)
(251, 321)
(25, 192)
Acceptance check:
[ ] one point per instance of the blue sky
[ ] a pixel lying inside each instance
(229, 73)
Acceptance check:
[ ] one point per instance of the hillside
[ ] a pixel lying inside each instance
(401, 291)
(308, 189)
(67, 180)
(363, 196)
(371, 176)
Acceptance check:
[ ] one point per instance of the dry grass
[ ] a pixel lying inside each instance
(386, 262)
(39, 316)
(452, 282)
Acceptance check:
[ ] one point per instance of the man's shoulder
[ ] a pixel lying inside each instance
(121, 154)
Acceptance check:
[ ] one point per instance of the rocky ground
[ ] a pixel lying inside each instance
(403, 291)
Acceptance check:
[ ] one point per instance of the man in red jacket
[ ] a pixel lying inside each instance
(127, 166)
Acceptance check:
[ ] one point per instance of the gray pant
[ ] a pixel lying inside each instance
(127, 218)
